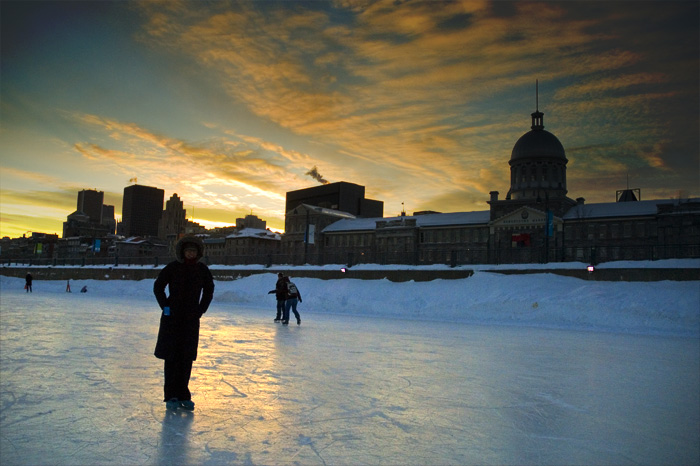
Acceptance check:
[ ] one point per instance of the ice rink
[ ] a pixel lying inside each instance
(80, 386)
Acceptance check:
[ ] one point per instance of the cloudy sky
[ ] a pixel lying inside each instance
(231, 104)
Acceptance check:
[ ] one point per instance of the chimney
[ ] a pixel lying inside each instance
(580, 201)
(494, 196)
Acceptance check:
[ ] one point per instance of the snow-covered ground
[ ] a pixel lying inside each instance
(536, 300)
(492, 369)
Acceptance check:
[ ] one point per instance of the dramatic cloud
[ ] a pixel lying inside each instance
(229, 103)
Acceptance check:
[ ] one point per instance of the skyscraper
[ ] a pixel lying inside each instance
(142, 207)
(108, 219)
(172, 223)
(90, 203)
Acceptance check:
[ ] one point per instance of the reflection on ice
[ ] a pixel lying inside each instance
(80, 385)
(174, 444)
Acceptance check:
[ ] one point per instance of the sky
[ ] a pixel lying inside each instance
(232, 104)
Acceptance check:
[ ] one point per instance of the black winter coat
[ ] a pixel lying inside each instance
(191, 289)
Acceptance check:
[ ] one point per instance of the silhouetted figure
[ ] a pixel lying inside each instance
(191, 289)
(280, 292)
(28, 282)
(293, 296)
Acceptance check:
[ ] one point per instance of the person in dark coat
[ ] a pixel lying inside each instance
(191, 290)
(293, 297)
(280, 292)
(28, 282)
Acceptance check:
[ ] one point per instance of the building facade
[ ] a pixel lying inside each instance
(90, 203)
(536, 222)
(173, 220)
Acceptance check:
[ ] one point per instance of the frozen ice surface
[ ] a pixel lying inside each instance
(79, 386)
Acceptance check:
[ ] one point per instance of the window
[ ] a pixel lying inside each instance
(641, 230)
(614, 231)
(627, 230)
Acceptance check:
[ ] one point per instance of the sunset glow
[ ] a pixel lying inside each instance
(231, 104)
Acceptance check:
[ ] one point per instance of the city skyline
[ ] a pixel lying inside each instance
(232, 105)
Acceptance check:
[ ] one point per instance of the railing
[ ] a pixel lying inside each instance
(447, 256)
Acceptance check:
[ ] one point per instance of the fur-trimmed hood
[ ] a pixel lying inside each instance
(180, 247)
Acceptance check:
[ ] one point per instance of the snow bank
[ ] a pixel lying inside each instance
(540, 300)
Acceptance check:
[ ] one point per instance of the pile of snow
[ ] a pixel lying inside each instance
(540, 300)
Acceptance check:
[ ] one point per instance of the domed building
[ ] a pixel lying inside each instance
(537, 173)
(535, 222)
(532, 211)
(537, 164)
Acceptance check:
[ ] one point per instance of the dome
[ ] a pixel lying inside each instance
(538, 143)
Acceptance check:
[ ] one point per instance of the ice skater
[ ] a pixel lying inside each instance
(191, 290)
(28, 283)
(293, 296)
(280, 292)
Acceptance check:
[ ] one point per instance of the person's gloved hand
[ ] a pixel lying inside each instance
(166, 311)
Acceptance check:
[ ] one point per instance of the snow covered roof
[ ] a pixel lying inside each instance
(134, 240)
(141, 240)
(255, 233)
(454, 218)
(213, 240)
(619, 209)
(584, 211)
(428, 220)
(352, 224)
(326, 211)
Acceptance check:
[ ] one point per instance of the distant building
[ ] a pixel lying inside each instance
(302, 241)
(100, 216)
(108, 219)
(173, 220)
(536, 222)
(142, 208)
(80, 224)
(341, 196)
(90, 203)
(137, 247)
(194, 228)
(37, 246)
(252, 246)
(251, 221)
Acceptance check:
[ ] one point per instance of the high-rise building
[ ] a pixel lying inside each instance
(90, 203)
(142, 208)
(172, 223)
(108, 219)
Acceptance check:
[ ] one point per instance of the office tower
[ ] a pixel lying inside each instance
(142, 208)
(108, 219)
(172, 223)
(90, 203)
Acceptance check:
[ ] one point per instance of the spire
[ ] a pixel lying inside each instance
(537, 117)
